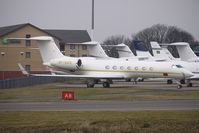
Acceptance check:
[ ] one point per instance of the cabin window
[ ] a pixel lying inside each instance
(144, 68)
(129, 68)
(114, 67)
(136, 68)
(121, 67)
(107, 67)
(151, 68)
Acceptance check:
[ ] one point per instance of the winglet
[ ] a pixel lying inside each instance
(23, 70)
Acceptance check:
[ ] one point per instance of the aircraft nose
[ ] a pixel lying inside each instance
(187, 73)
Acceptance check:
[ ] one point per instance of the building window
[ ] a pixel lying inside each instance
(72, 46)
(84, 55)
(84, 47)
(28, 68)
(28, 55)
(28, 42)
(14, 41)
(72, 55)
(61, 46)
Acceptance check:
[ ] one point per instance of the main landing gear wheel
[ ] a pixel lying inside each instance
(106, 84)
(179, 86)
(189, 85)
(169, 81)
(182, 81)
(89, 85)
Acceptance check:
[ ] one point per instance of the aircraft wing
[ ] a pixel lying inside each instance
(194, 77)
(97, 76)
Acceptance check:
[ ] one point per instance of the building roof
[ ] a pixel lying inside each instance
(8, 29)
(71, 36)
(65, 36)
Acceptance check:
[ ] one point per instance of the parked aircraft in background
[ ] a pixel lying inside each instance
(191, 66)
(102, 69)
(185, 52)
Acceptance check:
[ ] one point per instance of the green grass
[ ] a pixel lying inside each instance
(100, 122)
(51, 92)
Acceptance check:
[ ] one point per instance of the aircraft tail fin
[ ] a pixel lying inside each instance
(95, 50)
(141, 49)
(185, 52)
(123, 50)
(47, 47)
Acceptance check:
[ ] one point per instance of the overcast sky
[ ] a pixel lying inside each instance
(112, 17)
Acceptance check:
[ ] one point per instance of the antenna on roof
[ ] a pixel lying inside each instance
(92, 21)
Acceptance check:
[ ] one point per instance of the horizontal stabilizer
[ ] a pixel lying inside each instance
(23, 70)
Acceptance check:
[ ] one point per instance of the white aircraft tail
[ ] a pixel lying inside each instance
(95, 49)
(160, 52)
(47, 47)
(123, 50)
(185, 52)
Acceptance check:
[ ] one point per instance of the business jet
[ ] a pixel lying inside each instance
(190, 64)
(94, 69)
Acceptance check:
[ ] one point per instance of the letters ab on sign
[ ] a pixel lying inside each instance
(68, 95)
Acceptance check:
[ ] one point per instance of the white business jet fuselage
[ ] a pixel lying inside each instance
(94, 69)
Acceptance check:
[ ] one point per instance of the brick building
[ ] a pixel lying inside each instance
(27, 53)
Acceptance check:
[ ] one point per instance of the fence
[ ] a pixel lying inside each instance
(27, 81)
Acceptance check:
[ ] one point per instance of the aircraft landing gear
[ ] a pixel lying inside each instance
(189, 85)
(179, 86)
(128, 80)
(90, 85)
(169, 81)
(182, 81)
(106, 84)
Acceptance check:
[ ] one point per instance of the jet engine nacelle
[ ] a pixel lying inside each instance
(68, 64)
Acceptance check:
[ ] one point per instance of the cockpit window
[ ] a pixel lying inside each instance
(177, 66)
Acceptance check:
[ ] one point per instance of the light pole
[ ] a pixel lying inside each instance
(92, 21)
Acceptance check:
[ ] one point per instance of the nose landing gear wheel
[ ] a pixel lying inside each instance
(179, 86)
